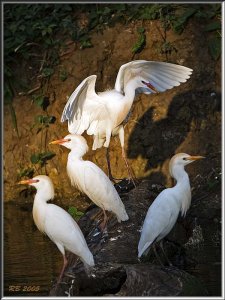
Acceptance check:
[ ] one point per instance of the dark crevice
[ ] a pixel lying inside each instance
(103, 286)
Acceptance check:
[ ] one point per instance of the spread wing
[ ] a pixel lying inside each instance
(84, 109)
(151, 76)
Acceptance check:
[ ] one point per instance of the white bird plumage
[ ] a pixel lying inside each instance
(57, 224)
(164, 211)
(90, 179)
(102, 114)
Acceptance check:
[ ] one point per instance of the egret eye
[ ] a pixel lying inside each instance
(69, 140)
(184, 158)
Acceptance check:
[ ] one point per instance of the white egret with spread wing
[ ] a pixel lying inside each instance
(102, 114)
(163, 213)
(57, 224)
(90, 179)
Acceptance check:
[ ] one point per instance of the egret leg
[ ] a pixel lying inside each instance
(161, 246)
(157, 255)
(121, 137)
(130, 172)
(104, 223)
(65, 262)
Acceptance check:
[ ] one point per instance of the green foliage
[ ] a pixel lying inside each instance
(41, 101)
(213, 26)
(46, 120)
(85, 43)
(210, 15)
(179, 23)
(73, 211)
(214, 45)
(140, 44)
(27, 172)
(63, 74)
(41, 158)
(47, 72)
(76, 214)
(167, 48)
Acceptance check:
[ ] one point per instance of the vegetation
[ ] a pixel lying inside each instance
(75, 213)
(37, 31)
(34, 34)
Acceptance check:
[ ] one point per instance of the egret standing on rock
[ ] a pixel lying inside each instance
(103, 114)
(57, 224)
(90, 179)
(164, 211)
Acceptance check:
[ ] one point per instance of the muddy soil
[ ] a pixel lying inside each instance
(184, 119)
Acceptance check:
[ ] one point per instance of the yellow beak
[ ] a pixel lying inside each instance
(195, 157)
(59, 142)
(28, 181)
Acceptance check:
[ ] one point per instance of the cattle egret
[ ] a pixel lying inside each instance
(103, 114)
(57, 224)
(164, 211)
(90, 179)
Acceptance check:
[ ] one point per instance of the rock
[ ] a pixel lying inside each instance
(118, 271)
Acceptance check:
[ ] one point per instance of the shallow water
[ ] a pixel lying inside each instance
(32, 262)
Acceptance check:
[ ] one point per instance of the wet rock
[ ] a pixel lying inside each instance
(118, 271)
(153, 280)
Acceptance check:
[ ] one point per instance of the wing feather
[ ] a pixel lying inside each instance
(161, 75)
(84, 107)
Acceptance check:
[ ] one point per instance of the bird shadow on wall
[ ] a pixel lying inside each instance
(157, 141)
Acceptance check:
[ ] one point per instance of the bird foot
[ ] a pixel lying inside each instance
(113, 179)
(124, 186)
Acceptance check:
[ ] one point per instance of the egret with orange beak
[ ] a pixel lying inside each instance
(163, 213)
(103, 114)
(90, 179)
(57, 224)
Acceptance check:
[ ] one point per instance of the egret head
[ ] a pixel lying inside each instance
(180, 160)
(72, 141)
(42, 183)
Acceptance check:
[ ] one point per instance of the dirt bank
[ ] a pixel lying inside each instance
(184, 119)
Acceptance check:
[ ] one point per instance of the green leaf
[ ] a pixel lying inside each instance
(47, 155)
(214, 45)
(140, 44)
(35, 158)
(41, 119)
(179, 24)
(140, 30)
(63, 75)
(41, 101)
(85, 44)
(213, 26)
(28, 172)
(46, 72)
(41, 158)
(75, 213)
(14, 119)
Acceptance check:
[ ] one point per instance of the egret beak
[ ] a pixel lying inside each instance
(59, 142)
(28, 181)
(195, 157)
(150, 86)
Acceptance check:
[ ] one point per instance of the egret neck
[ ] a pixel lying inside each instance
(182, 187)
(129, 92)
(78, 152)
(39, 210)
